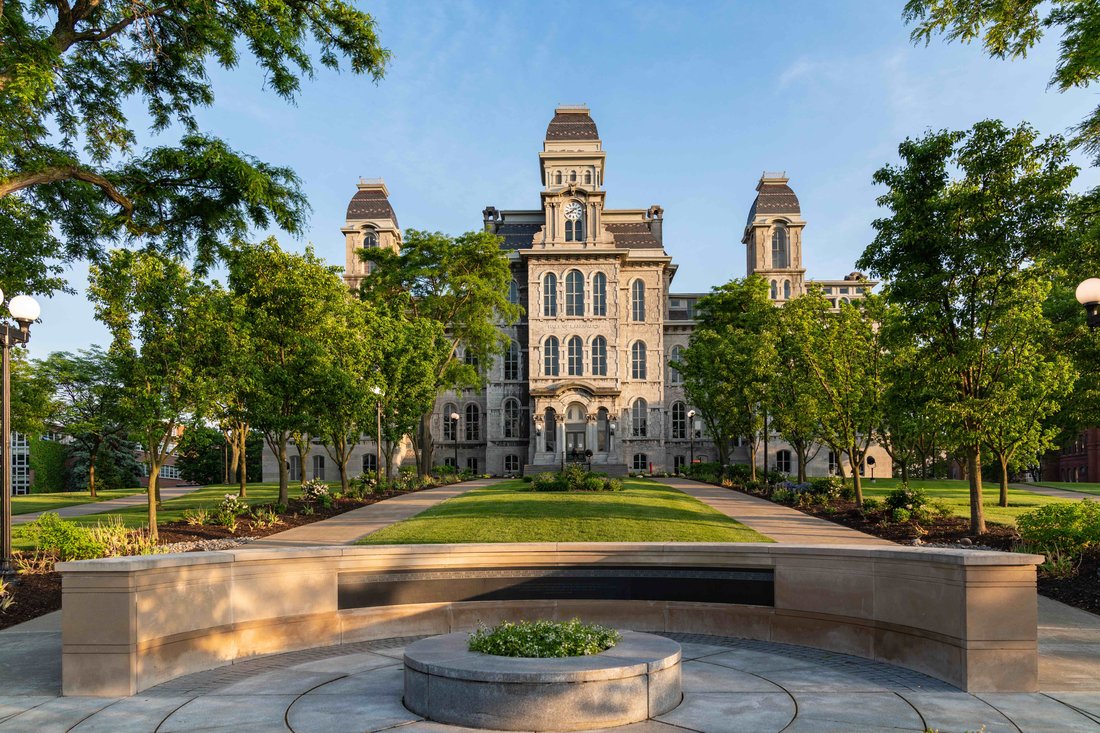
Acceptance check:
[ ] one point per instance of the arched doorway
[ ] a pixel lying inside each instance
(576, 427)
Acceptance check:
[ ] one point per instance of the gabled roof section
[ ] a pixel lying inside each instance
(572, 123)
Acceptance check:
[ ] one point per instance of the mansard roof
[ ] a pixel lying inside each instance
(370, 203)
(518, 235)
(572, 124)
(633, 235)
(774, 197)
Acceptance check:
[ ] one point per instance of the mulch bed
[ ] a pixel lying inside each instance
(1081, 590)
(36, 595)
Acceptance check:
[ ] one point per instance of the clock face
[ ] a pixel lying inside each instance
(573, 211)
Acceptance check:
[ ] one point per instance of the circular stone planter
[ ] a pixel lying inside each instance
(636, 679)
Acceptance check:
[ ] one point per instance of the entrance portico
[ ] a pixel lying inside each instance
(572, 419)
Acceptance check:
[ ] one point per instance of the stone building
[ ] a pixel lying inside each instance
(587, 376)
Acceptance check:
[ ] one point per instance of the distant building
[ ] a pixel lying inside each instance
(1078, 461)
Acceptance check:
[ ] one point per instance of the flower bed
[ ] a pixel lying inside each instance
(543, 639)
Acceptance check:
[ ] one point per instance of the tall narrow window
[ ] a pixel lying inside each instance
(511, 418)
(638, 419)
(679, 421)
(575, 356)
(637, 301)
(550, 295)
(318, 468)
(450, 427)
(637, 360)
(783, 461)
(473, 423)
(780, 246)
(674, 357)
(511, 361)
(557, 178)
(370, 239)
(599, 357)
(574, 221)
(775, 290)
(550, 357)
(588, 177)
(370, 463)
(599, 294)
(471, 359)
(513, 293)
(572, 176)
(574, 293)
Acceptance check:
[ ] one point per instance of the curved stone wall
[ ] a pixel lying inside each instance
(967, 617)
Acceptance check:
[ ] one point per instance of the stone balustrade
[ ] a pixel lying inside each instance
(963, 616)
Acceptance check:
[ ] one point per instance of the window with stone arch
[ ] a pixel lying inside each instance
(638, 415)
(599, 357)
(575, 356)
(775, 290)
(637, 300)
(511, 362)
(781, 255)
(783, 461)
(674, 376)
(640, 462)
(550, 357)
(550, 295)
(511, 418)
(574, 221)
(637, 360)
(588, 177)
(572, 176)
(574, 293)
(370, 238)
(786, 290)
(557, 178)
(473, 422)
(450, 427)
(679, 421)
(513, 292)
(599, 294)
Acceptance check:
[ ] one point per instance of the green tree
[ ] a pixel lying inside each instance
(907, 430)
(117, 465)
(288, 299)
(459, 282)
(32, 399)
(794, 400)
(201, 455)
(232, 366)
(87, 388)
(72, 72)
(158, 313)
(957, 253)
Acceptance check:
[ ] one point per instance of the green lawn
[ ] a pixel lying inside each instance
(30, 503)
(170, 511)
(511, 512)
(1082, 487)
(956, 494)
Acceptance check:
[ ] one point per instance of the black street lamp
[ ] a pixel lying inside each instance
(1088, 295)
(691, 429)
(377, 392)
(24, 309)
(454, 422)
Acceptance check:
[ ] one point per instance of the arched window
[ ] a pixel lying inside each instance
(783, 461)
(674, 356)
(557, 178)
(473, 423)
(511, 463)
(573, 177)
(640, 462)
(470, 358)
(599, 357)
(599, 294)
(574, 221)
(550, 295)
(574, 356)
(511, 418)
(637, 301)
(780, 246)
(679, 421)
(775, 290)
(588, 177)
(550, 427)
(550, 357)
(786, 290)
(370, 238)
(638, 418)
(574, 293)
(513, 293)
(511, 361)
(637, 360)
(450, 427)
(834, 464)
(370, 463)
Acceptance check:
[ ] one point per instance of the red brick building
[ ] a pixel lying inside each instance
(1078, 461)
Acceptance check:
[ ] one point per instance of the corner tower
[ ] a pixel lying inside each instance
(773, 237)
(370, 222)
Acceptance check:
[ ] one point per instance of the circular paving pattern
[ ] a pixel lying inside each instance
(729, 685)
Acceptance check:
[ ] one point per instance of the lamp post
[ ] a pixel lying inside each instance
(24, 309)
(454, 421)
(377, 391)
(1088, 295)
(691, 429)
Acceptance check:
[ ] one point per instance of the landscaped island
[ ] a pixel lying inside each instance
(543, 639)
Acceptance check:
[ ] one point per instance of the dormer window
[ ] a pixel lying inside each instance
(574, 222)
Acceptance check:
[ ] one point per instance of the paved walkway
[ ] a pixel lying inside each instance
(110, 505)
(781, 523)
(1050, 491)
(346, 528)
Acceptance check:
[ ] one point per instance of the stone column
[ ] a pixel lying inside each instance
(590, 433)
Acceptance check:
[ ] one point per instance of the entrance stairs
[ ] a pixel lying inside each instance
(614, 470)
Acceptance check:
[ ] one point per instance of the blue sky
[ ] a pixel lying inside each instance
(692, 99)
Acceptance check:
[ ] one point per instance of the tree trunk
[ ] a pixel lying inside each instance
(92, 454)
(904, 472)
(1004, 479)
(752, 462)
(857, 480)
(242, 461)
(300, 446)
(231, 442)
(977, 511)
(284, 474)
(154, 495)
(344, 486)
(427, 445)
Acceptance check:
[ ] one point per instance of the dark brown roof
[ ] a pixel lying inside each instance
(518, 235)
(633, 235)
(572, 126)
(370, 203)
(774, 198)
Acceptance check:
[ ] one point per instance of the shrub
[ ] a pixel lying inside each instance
(314, 490)
(871, 505)
(264, 518)
(63, 540)
(593, 483)
(783, 496)
(541, 639)
(738, 472)
(195, 517)
(1066, 526)
(7, 596)
(913, 501)
(900, 515)
(119, 540)
(232, 504)
(574, 478)
(36, 562)
(613, 484)
(527, 479)
(547, 482)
